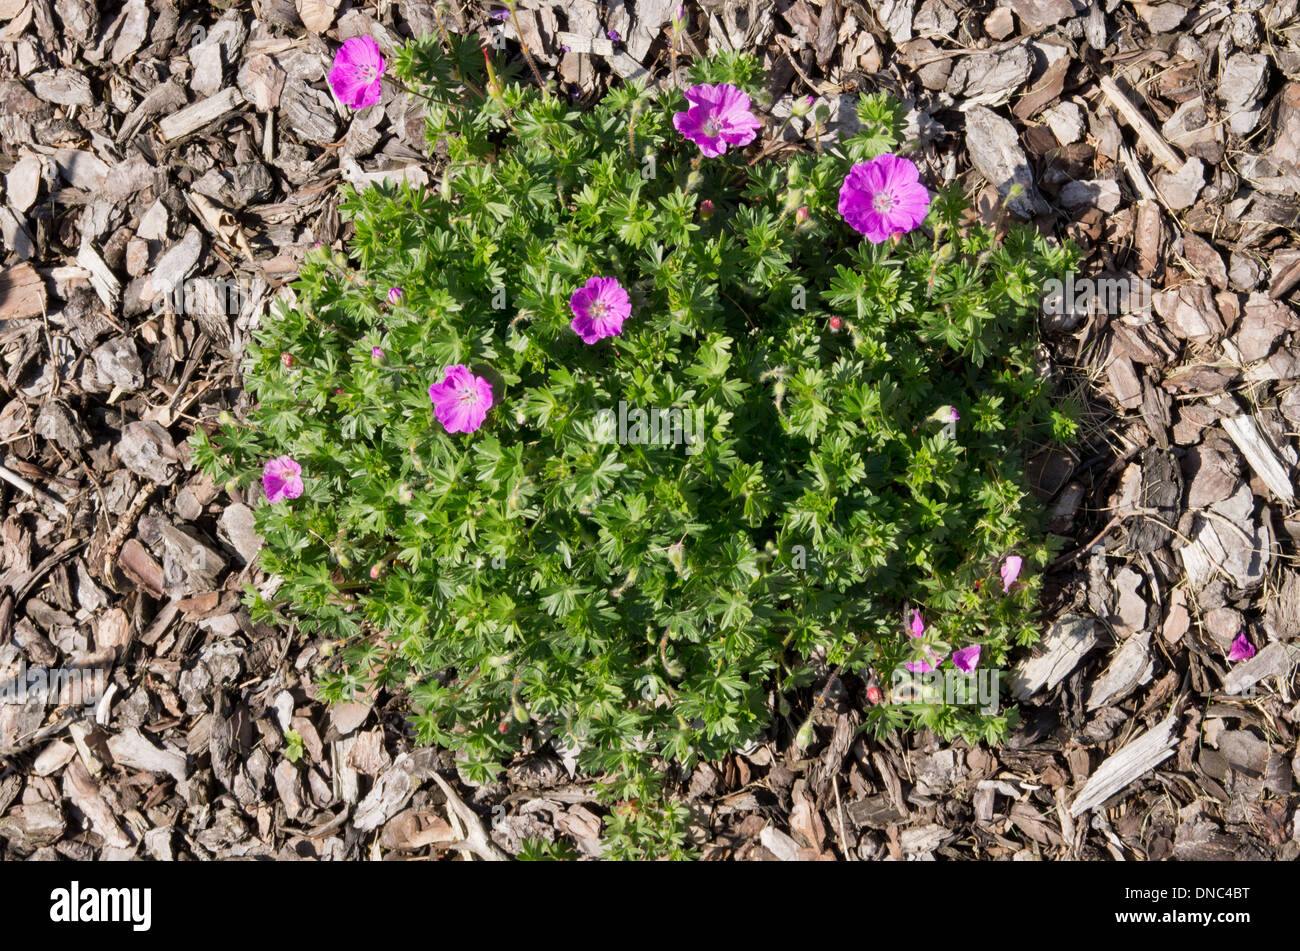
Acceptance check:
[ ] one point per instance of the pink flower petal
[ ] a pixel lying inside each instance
(967, 658)
(1242, 648)
(1011, 571)
(918, 625)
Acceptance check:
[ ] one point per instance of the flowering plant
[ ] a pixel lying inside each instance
(616, 437)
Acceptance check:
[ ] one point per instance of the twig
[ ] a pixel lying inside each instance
(19, 482)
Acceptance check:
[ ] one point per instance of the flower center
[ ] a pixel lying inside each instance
(368, 74)
(882, 202)
(468, 395)
(711, 128)
(598, 309)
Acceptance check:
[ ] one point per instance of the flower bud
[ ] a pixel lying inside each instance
(520, 714)
(801, 214)
(875, 694)
(375, 571)
(802, 106)
(286, 360)
(377, 354)
(803, 739)
(706, 209)
(226, 418)
(837, 324)
(404, 494)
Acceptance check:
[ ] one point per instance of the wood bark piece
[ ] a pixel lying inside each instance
(476, 839)
(1275, 660)
(201, 114)
(1126, 765)
(1259, 454)
(83, 792)
(1129, 668)
(131, 748)
(102, 278)
(1151, 138)
(22, 293)
(1228, 542)
(1063, 646)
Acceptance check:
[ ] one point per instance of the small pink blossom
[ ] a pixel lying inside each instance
(358, 69)
(377, 354)
(718, 116)
(1011, 571)
(394, 294)
(953, 415)
(461, 401)
(883, 198)
(281, 479)
(967, 658)
(918, 625)
(1242, 648)
(599, 308)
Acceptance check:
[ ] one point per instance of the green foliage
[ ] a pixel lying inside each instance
(293, 745)
(645, 601)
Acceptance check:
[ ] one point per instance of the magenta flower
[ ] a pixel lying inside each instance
(614, 37)
(599, 308)
(499, 14)
(461, 401)
(1011, 571)
(924, 666)
(967, 658)
(394, 294)
(883, 197)
(281, 479)
(717, 117)
(358, 68)
(1242, 648)
(918, 625)
(953, 415)
(377, 354)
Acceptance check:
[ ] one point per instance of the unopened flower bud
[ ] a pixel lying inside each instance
(803, 739)
(375, 571)
(286, 360)
(801, 214)
(802, 106)
(875, 694)
(377, 354)
(706, 209)
(226, 418)
(837, 324)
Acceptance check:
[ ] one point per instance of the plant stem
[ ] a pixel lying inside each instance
(523, 45)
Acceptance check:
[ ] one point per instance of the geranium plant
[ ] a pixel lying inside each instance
(617, 435)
